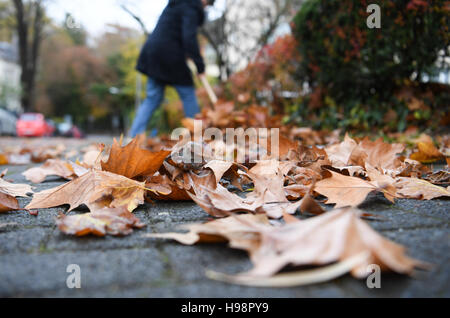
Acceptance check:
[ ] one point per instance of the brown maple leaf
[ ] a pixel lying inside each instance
(132, 161)
(219, 202)
(8, 203)
(346, 191)
(220, 167)
(427, 153)
(339, 154)
(95, 189)
(52, 167)
(240, 231)
(335, 236)
(268, 177)
(106, 221)
(378, 154)
(413, 188)
(166, 189)
(15, 190)
(9, 192)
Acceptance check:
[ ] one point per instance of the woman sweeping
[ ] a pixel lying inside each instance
(164, 55)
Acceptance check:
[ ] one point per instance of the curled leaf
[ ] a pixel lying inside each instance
(116, 222)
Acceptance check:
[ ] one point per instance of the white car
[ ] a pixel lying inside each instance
(7, 123)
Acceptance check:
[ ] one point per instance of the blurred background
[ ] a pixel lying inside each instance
(69, 66)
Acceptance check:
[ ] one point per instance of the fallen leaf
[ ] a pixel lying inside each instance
(440, 177)
(413, 188)
(3, 160)
(132, 161)
(52, 167)
(384, 183)
(220, 202)
(427, 153)
(380, 155)
(336, 236)
(8, 203)
(219, 167)
(94, 189)
(238, 230)
(15, 190)
(268, 177)
(166, 189)
(107, 221)
(345, 191)
(309, 205)
(339, 154)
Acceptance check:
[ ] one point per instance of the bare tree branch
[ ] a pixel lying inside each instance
(137, 18)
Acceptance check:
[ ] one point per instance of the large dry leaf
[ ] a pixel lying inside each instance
(336, 236)
(339, 154)
(219, 167)
(9, 192)
(8, 203)
(95, 189)
(43, 153)
(268, 177)
(219, 202)
(52, 167)
(166, 189)
(132, 161)
(379, 154)
(15, 190)
(384, 182)
(413, 188)
(116, 222)
(239, 231)
(427, 153)
(346, 191)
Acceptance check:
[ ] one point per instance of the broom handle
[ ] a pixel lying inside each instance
(209, 90)
(212, 96)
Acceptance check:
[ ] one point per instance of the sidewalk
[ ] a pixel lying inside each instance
(34, 256)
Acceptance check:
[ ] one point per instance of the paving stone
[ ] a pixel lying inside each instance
(24, 275)
(22, 239)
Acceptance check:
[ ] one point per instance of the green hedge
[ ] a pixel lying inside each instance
(356, 72)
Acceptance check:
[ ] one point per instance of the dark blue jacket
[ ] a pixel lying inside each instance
(174, 39)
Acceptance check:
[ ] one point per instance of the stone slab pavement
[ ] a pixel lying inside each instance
(34, 256)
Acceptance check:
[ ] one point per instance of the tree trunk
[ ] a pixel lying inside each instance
(29, 50)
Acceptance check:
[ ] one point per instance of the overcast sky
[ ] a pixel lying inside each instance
(94, 15)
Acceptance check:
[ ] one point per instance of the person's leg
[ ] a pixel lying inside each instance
(155, 95)
(190, 103)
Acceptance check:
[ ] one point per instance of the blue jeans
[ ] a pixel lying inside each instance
(155, 95)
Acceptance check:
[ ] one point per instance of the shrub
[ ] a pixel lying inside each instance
(356, 73)
(271, 72)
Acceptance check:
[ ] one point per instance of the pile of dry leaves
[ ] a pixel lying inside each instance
(253, 203)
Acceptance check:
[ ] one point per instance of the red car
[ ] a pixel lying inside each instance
(33, 125)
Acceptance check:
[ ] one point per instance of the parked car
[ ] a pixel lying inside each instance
(33, 125)
(69, 130)
(7, 123)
